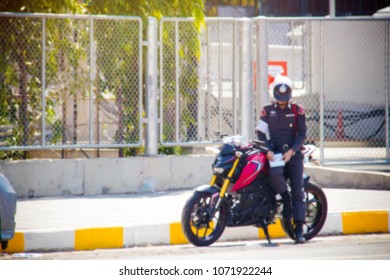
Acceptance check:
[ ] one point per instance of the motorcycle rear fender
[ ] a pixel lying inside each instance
(207, 189)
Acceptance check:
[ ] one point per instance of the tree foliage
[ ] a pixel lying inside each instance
(146, 8)
(41, 6)
(20, 69)
(67, 44)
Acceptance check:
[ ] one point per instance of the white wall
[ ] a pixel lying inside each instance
(107, 175)
(62, 177)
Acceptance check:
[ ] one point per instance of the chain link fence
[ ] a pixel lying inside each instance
(339, 69)
(340, 72)
(199, 94)
(77, 81)
(70, 81)
(355, 76)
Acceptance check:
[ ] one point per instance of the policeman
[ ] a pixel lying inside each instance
(282, 127)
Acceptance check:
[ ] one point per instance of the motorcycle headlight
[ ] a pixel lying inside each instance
(218, 170)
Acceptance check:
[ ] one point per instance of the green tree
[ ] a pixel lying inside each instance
(146, 8)
(41, 6)
(189, 50)
(67, 44)
(21, 64)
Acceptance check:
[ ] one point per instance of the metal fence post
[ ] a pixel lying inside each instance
(332, 8)
(246, 84)
(151, 147)
(91, 78)
(43, 87)
(322, 133)
(387, 91)
(262, 60)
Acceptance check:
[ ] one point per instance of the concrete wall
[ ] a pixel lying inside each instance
(62, 177)
(328, 177)
(107, 175)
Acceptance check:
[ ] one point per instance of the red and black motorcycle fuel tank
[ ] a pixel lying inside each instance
(255, 163)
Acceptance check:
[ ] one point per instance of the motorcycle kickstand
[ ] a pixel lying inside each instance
(266, 233)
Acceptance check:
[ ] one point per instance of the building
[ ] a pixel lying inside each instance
(292, 8)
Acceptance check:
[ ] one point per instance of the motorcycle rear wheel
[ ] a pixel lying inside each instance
(316, 212)
(198, 226)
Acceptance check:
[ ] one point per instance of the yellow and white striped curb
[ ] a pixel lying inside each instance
(359, 222)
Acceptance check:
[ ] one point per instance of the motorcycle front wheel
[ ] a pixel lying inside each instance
(316, 212)
(199, 227)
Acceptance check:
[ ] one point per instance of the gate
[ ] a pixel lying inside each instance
(71, 82)
(201, 91)
(340, 69)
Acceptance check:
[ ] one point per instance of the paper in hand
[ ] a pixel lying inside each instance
(277, 161)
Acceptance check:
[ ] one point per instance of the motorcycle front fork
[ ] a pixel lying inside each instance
(224, 187)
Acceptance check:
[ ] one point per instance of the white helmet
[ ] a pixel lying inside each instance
(282, 88)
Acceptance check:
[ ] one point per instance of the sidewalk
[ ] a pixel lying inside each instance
(116, 221)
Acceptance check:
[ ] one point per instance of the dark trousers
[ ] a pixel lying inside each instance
(293, 170)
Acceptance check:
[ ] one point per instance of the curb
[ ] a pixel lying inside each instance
(353, 222)
(331, 177)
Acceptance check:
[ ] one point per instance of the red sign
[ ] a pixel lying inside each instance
(275, 68)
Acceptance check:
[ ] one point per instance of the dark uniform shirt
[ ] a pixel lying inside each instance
(286, 127)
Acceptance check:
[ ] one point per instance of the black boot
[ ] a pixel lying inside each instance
(299, 233)
(287, 209)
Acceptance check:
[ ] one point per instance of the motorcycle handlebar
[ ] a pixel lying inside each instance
(306, 150)
(260, 145)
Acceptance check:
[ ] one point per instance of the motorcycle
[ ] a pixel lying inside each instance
(240, 194)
